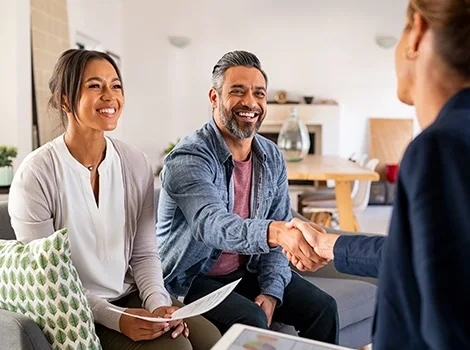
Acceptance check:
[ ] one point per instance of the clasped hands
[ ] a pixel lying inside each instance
(138, 329)
(306, 244)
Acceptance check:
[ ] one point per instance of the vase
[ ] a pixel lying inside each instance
(6, 175)
(294, 139)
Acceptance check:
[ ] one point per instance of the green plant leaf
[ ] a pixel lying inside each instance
(7, 154)
(5, 276)
(74, 287)
(21, 309)
(74, 303)
(64, 273)
(43, 261)
(62, 322)
(51, 293)
(2, 260)
(52, 308)
(54, 259)
(34, 265)
(30, 307)
(40, 321)
(74, 320)
(21, 278)
(40, 294)
(81, 346)
(57, 243)
(30, 294)
(4, 292)
(63, 306)
(49, 336)
(84, 316)
(63, 290)
(41, 310)
(83, 332)
(9, 261)
(22, 294)
(30, 279)
(60, 337)
(53, 276)
(46, 245)
(12, 294)
(72, 335)
(16, 262)
(51, 323)
(25, 262)
(40, 278)
(13, 277)
(65, 259)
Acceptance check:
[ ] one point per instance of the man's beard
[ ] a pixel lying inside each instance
(241, 130)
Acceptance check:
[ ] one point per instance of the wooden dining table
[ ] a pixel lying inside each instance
(342, 171)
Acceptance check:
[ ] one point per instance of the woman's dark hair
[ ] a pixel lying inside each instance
(450, 22)
(67, 78)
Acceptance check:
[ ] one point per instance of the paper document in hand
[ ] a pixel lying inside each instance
(196, 308)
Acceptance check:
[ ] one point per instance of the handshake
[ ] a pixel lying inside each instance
(306, 244)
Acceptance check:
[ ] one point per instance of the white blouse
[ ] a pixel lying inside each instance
(96, 232)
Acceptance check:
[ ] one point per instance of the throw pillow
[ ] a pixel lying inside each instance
(38, 280)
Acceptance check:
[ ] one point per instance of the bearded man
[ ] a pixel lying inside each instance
(222, 215)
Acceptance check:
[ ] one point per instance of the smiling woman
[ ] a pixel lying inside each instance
(101, 190)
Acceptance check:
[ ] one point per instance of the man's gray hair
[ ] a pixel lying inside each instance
(234, 59)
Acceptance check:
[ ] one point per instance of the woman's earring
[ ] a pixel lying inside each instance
(410, 54)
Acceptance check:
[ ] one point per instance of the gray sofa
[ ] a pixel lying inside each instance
(355, 298)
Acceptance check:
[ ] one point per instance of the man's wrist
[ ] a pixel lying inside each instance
(274, 232)
(326, 245)
(271, 298)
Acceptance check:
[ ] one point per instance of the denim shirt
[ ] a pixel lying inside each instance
(195, 219)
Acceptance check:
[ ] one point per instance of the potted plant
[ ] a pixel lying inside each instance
(167, 150)
(7, 154)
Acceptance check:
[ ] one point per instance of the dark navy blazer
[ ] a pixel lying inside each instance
(424, 275)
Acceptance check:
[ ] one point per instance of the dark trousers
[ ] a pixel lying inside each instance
(311, 311)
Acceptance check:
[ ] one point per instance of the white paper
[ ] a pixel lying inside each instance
(196, 308)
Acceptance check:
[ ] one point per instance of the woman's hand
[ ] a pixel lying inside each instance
(138, 329)
(179, 326)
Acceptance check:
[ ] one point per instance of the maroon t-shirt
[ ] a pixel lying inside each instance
(229, 262)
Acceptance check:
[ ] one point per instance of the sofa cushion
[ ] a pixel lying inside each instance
(355, 299)
(39, 281)
(6, 231)
(20, 333)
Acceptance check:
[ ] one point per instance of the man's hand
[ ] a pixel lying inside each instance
(268, 304)
(179, 326)
(293, 242)
(322, 243)
(138, 329)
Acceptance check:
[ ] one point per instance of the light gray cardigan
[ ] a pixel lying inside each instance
(36, 211)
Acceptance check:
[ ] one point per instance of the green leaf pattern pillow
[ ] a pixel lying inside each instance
(39, 281)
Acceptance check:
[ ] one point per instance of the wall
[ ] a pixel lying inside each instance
(15, 76)
(315, 47)
(50, 37)
(100, 20)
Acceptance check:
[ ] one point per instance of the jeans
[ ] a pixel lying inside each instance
(311, 311)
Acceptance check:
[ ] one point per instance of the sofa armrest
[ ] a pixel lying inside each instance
(19, 332)
(329, 271)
